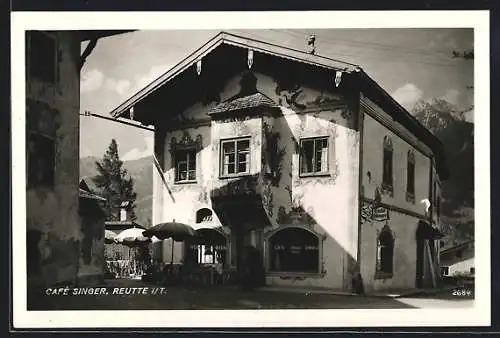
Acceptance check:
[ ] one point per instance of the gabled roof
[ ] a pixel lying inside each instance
(85, 192)
(366, 84)
(238, 41)
(245, 102)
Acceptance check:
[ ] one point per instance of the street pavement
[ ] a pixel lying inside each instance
(137, 295)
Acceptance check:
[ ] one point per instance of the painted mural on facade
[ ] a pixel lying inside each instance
(315, 203)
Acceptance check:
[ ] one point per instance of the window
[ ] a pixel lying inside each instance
(410, 177)
(472, 271)
(445, 271)
(41, 148)
(387, 165)
(294, 250)
(204, 215)
(210, 248)
(185, 165)
(385, 252)
(235, 157)
(42, 54)
(314, 156)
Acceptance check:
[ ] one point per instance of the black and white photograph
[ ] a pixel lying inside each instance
(330, 162)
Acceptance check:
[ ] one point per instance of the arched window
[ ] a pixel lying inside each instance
(294, 250)
(203, 215)
(387, 165)
(385, 252)
(410, 177)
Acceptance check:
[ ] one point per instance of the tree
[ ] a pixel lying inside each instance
(114, 183)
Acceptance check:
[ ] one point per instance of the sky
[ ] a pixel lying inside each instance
(410, 64)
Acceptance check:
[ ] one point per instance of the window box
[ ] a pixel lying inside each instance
(314, 157)
(235, 158)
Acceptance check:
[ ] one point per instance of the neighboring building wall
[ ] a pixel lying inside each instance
(463, 267)
(405, 211)
(327, 206)
(91, 265)
(53, 225)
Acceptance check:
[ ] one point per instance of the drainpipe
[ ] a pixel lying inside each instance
(360, 124)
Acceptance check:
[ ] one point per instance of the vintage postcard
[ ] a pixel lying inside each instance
(277, 169)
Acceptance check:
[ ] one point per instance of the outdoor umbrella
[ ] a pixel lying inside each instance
(109, 236)
(132, 237)
(175, 230)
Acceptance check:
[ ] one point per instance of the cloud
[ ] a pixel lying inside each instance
(91, 80)
(137, 153)
(120, 86)
(407, 95)
(143, 80)
(452, 96)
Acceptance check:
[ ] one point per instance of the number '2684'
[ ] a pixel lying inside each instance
(462, 292)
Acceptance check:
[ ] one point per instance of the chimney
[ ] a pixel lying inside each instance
(311, 39)
(124, 211)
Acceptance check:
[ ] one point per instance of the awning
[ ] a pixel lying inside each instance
(426, 231)
(241, 211)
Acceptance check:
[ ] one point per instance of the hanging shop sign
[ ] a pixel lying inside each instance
(373, 213)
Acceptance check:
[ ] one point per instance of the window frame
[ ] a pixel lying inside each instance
(222, 173)
(301, 156)
(380, 274)
(30, 34)
(388, 148)
(175, 161)
(410, 177)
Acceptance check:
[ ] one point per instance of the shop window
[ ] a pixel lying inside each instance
(387, 178)
(209, 247)
(185, 165)
(294, 250)
(410, 177)
(314, 156)
(235, 157)
(42, 56)
(385, 252)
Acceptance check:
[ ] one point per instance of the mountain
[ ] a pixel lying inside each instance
(440, 117)
(457, 136)
(141, 172)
